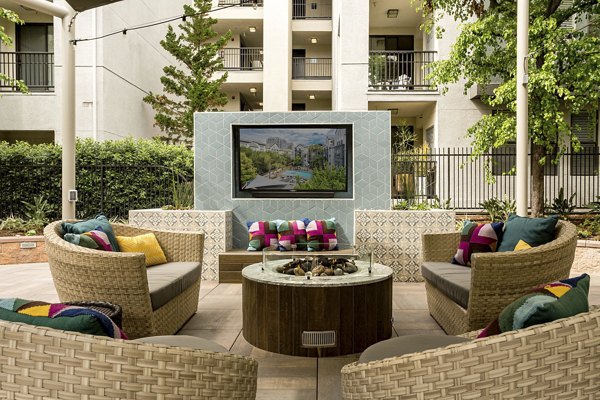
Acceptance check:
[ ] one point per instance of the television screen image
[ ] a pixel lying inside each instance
(292, 158)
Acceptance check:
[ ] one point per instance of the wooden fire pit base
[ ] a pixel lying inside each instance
(278, 308)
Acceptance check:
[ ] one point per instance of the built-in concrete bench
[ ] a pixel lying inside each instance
(233, 261)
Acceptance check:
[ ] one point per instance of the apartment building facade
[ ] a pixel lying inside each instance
(284, 55)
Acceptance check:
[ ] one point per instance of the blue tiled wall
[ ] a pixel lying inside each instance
(214, 175)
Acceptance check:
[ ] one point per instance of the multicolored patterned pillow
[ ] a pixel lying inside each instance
(477, 238)
(292, 233)
(88, 225)
(543, 304)
(321, 235)
(101, 238)
(261, 235)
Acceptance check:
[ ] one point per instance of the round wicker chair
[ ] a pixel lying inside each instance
(82, 274)
(496, 278)
(44, 363)
(556, 360)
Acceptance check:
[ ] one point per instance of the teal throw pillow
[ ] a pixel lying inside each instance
(533, 231)
(81, 323)
(543, 304)
(90, 225)
(81, 240)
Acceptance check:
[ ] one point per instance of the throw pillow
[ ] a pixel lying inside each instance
(477, 238)
(543, 304)
(262, 235)
(533, 231)
(100, 238)
(321, 235)
(147, 244)
(59, 316)
(86, 226)
(291, 233)
(81, 240)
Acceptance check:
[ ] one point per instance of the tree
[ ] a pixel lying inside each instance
(248, 171)
(190, 87)
(10, 16)
(563, 69)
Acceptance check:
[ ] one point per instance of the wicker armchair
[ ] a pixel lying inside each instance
(496, 278)
(81, 274)
(44, 363)
(558, 360)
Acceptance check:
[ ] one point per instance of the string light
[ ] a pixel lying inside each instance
(156, 23)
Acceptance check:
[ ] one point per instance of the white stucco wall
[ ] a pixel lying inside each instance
(277, 39)
(350, 51)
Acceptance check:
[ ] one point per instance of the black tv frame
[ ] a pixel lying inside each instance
(238, 192)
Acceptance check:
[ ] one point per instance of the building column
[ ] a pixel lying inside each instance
(277, 68)
(350, 52)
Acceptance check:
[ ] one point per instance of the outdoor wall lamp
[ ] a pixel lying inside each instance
(253, 91)
(311, 97)
(392, 13)
(252, 29)
(313, 40)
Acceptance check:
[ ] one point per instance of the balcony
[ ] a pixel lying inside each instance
(241, 3)
(400, 70)
(242, 59)
(313, 9)
(36, 69)
(311, 68)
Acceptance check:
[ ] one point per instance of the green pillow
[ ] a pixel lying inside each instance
(80, 323)
(533, 231)
(81, 240)
(90, 225)
(543, 304)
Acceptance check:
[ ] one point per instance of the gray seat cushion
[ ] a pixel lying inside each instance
(402, 345)
(191, 342)
(167, 281)
(451, 279)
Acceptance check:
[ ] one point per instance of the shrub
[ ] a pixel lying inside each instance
(112, 176)
(499, 210)
(561, 205)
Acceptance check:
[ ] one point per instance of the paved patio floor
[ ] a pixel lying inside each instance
(219, 318)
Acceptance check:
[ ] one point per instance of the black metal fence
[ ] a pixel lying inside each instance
(311, 68)
(109, 189)
(242, 59)
(400, 70)
(450, 173)
(314, 9)
(36, 69)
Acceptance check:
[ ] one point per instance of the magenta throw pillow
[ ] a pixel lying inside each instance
(477, 238)
(321, 235)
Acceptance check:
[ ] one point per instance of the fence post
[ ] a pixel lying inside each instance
(102, 189)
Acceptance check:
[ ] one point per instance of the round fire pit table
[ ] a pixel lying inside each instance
(320, 316)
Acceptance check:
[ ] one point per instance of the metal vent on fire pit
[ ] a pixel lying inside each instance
(318, 339)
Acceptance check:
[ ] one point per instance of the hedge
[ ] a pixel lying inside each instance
(112, 176)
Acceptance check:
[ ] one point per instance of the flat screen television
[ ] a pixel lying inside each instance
(292, 160)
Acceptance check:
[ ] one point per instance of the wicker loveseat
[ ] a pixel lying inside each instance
(44, 363)
(557, 360)
(155, 300)
(494, 279)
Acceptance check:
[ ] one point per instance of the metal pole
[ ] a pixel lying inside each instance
(522, 187)
(67, 110)
(67, 116)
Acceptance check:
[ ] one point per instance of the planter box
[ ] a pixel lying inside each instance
(216, 226)
(22, 249)
(395, 237)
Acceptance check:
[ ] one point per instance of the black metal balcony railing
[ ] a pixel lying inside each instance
(400, 70)
(311, 9)
(242, 59)
(36, 69)
(311, 68)
(242, 3)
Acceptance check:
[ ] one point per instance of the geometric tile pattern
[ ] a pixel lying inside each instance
(395, 237)
(216, 226)
(213, 177)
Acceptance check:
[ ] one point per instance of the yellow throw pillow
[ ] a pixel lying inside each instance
(522, 245)
(146, 244)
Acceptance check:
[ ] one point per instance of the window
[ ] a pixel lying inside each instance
(585, 163)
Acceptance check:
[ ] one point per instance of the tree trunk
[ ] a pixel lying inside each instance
(537, 180)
